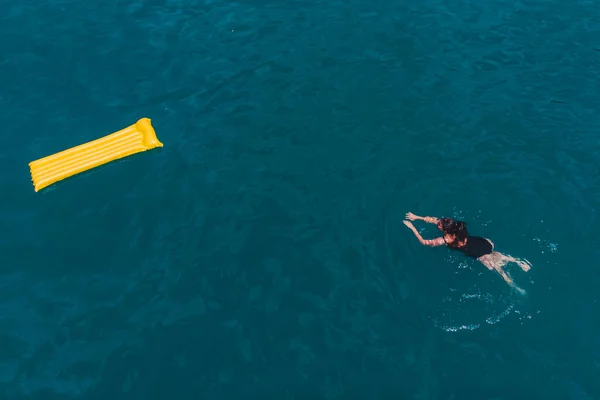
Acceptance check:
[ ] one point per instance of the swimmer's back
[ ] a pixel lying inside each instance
(475, 247)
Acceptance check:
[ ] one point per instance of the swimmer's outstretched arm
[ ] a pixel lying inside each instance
(412, 217)
(433, 242)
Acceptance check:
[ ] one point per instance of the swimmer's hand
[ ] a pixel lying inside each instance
(412, 217)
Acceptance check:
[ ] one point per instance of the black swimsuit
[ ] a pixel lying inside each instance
(476, 247)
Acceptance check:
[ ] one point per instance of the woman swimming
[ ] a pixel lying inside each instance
(456, 237)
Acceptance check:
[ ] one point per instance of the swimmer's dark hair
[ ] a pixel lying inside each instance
(460, 230)
(456, 228)
(446, 224)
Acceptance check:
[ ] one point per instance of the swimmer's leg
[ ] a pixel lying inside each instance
(524, 264)
(495, 261)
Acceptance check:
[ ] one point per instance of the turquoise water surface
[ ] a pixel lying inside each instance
(261, 253)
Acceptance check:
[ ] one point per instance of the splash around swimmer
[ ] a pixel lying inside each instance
(456, 237)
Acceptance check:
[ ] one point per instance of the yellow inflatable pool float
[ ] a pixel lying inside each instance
(133, 139)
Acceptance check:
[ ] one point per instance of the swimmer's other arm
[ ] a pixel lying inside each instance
(412, 217)
(433, 242)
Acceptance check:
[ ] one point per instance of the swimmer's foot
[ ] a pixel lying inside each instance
(518, 289)
(525, 265)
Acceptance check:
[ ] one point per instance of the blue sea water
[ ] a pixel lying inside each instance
(261, 253)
